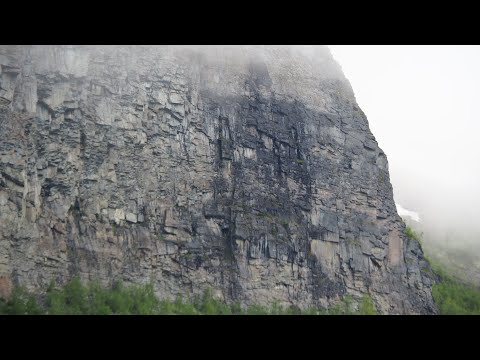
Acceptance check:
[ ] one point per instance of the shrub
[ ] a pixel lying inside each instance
(367, 307)
(451, 295)
(20, 303)
(454, 297)
(411, 234)
(77, 298)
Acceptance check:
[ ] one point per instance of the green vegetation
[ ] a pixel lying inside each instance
(454, 297)
(367, 307)
(20, 303)
(264, 214)
(346, 307)
(354, 242)
(284, 223)
(76, 298)
(411, 234)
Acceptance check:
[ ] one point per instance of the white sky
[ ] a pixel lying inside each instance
(422, 103)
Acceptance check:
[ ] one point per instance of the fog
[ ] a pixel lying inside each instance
(422, 103)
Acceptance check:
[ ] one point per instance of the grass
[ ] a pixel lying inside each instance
(367, 307)
(452, 295)
(76, 298)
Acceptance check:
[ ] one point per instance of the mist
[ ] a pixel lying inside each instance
(422, 106)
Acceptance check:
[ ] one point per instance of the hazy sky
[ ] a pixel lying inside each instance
(423, 105)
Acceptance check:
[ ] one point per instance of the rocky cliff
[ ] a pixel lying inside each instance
(249, 170)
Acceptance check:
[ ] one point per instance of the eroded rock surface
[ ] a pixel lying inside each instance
(248, 170)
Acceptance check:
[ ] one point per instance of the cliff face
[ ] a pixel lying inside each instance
(248, 170)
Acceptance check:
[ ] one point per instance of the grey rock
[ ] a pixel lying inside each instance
(131, 217)
(250, 170)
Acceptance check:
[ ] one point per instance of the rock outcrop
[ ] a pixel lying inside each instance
(248, 170)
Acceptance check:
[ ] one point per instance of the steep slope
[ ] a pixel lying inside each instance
(245, 169)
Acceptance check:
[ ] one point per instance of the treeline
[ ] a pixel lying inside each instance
(76, 298)
(452, 297)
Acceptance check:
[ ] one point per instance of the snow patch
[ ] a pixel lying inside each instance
(407, 213)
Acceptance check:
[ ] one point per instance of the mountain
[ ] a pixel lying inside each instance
(247, 170)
